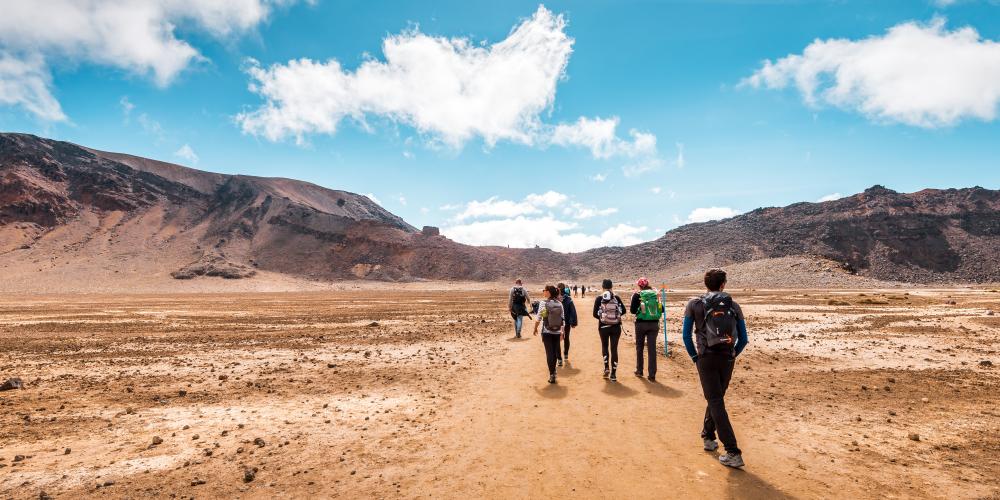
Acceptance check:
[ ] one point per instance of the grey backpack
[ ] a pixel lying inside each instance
(553, 315)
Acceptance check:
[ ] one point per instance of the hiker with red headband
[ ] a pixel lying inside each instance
(648, 310)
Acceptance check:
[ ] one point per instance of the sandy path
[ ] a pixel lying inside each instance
(589, 437)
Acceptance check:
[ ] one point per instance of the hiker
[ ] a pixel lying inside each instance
(720, 334)
(551, 317)
(609, 310)
(583, 290)
(569, 309)
(648, 310)
(576, 291)
(517, 302)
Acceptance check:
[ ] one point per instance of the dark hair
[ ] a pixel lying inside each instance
(606, 284)
(518, 281)
(714, 279)
(561, 287)
(553, 291)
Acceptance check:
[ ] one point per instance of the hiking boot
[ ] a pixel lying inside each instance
(711, 445)
(552, 379)
(607, 373)
(560, 363)
(731, 460)
(637, 373)
(614, 377)
(652, 378)
(566, 357)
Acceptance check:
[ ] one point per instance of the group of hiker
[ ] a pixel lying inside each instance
(713, 330)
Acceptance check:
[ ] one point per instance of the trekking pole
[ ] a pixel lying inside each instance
(663, 300)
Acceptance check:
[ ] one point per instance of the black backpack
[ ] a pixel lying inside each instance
(720, 320)
(517, 296)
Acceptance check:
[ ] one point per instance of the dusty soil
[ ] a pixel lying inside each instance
(423, 393)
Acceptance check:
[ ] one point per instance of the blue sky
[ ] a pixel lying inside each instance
(682, 119)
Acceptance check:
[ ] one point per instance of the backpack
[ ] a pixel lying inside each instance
(720, 320)
(649, 306)
(517, 296)
(610, 312)
(553, 316)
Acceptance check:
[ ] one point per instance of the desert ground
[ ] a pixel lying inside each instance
(384, 392)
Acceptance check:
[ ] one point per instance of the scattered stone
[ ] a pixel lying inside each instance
(925, 400)
(129, 411)
(249, 474)
(989, 313)
(182, 393)
(44, 496)
(157, 440)
(67, 451)
(914, 436)
(197, 482)
(373, 323)
(12, 384)
(331, 365)
(259, 442)
(986, 363)
(18, 458)
(195, 437)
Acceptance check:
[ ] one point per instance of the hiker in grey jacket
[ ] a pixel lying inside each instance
(551, 318)
(517, 304)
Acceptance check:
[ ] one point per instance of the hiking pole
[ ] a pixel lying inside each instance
(663, 300)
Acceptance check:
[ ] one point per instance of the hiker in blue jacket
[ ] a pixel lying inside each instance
(719, 336)
(571, 321)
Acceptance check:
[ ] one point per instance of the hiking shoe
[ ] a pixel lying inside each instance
(731, 460)
(607, 373)
(711, 445)
(637, 373)
(552, 379)
(560, 363)
(652, 378)
(614, 377)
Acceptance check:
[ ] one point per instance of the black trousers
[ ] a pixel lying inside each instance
(610, 334)
(551, 342)
(645, 339)
(565, 351)
(715, 371)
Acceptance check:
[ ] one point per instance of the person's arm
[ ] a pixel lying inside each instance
(742, 339)
(510, 300)
(541, 316)
(688, 341)
(634, 306)
(621, 306)
(572, 318)
(597, 307)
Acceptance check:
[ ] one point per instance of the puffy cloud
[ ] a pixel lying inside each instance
(371, 196)
(450, 88)
(645, 165)
(186, 153)
(548, 199)
(137, 36)
(680, 155)
(711, 213)
(599, 177)
(655, 189)
(532, 204)
(127, 107)
(917, 74)
(545, 231)
(830, 197)
(25, 82)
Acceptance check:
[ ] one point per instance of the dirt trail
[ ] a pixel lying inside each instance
(587, 437)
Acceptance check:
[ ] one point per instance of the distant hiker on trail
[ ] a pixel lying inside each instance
(583, 290)
(517, 304)
(569, 308)
(720, 334)
(576, 291)
(609, 311)
(648, 310)
(551, 317)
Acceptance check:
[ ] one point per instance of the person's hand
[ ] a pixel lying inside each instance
(562, 336)
(694, 359)
(535, 331)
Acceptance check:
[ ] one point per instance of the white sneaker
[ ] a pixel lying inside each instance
(731, 460)
(711, 445)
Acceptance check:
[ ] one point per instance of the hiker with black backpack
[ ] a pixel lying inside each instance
(609, 310)
(551, 317)
(569, 310)
(517, 304)
(648, 310)
(720, 335)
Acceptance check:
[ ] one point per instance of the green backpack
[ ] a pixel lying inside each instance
(649, 306)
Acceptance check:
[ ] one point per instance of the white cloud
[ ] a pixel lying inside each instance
(495, 207)
(137, 36)
(25, 82)
(425, 210)
(599, 177)
(371, 196)
(680, 155)
(646, 165)
(402, 200)
(546, 232)
(548, 199)
(187, 153)
(581, 211)
(450, 88)
(916, 74)
(150, 126)
(655, 189)
(944, 3)
(127, 107)
(830, 197)
(711, 213)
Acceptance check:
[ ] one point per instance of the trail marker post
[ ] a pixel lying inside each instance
(663, 300)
